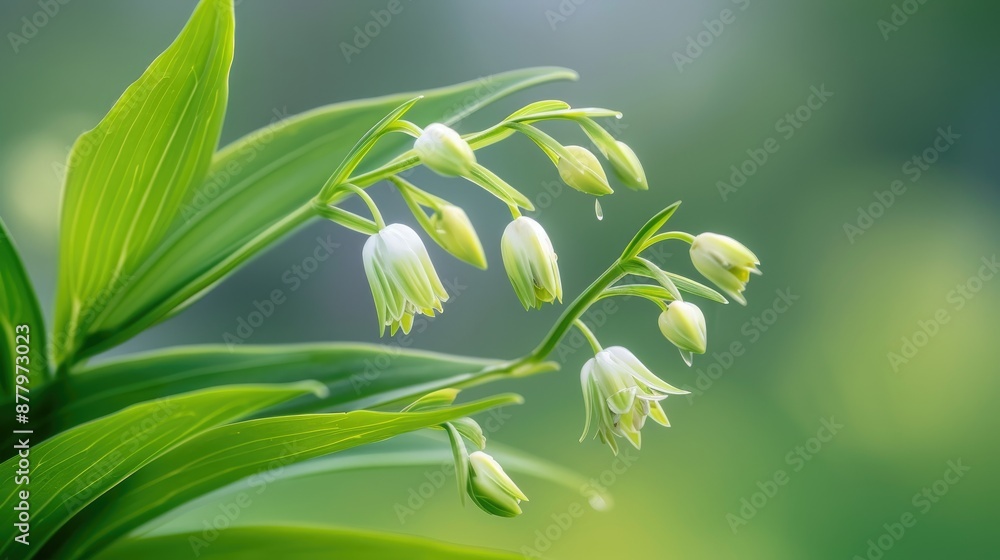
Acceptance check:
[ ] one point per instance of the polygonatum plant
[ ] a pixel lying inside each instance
(154, 216)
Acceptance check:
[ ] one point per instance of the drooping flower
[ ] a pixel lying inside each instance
(724, 261)
(619, 393)
(530, 262)
(455, 233)
(683, 324)
(490, 487)
(402, 278)
(585, 173)
(444, 151)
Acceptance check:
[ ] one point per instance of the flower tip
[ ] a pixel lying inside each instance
(444, 151)
(584, 172)
(627, 167)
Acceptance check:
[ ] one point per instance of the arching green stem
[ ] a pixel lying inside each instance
(589, 335)
(575, 311)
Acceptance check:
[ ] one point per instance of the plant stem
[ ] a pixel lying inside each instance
(589, 335)
(376, 215)
(575, 311)
(681, 235)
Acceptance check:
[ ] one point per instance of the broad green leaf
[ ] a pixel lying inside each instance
(73, 469)
(229, 453)
(22, 327)
(259, 187)
(293, 543)
(357, 375)
(128, 177)
(419, 449)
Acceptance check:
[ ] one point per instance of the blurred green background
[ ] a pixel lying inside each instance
(857, 297)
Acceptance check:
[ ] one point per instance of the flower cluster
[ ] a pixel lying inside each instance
(619, 391)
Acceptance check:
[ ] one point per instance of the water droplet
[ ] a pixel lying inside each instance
(598, 210)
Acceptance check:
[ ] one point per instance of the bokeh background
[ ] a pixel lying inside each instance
(857, 297)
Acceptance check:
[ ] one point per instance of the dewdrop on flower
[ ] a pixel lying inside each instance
(530, 262)
(402, 278)
(619, 393)
(724, 261)
(490, 487)
(444, 151)
(594, 182)
(683, 324)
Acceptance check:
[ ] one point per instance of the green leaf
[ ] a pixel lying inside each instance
(693, 287)
(21, 324)
(73, 469)
(293, 543)
(648, 230)
(357, 375)
(229, 453)
(128, 177)
(419, 449)
(258, 189)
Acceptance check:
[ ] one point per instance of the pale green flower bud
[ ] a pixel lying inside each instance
(724, 261)
(683, 324)
(619, 393)
(454, 232)
(531, 263)
(401, 276)
(591, 179)
(627, 167)
(444, 151)
(490, 487)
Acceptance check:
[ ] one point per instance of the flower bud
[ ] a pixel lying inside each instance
(724, 261)
(530, 262)
(454, 232)
(490, 487)
(683, 324)
(401, 276)
(627, 167)
(587, 176)
(444, 151)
